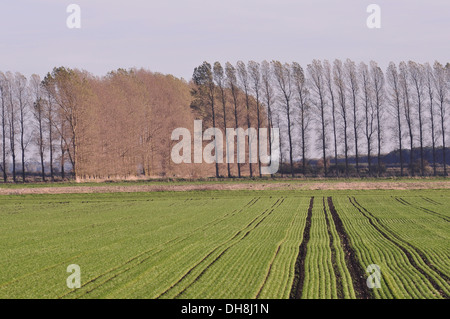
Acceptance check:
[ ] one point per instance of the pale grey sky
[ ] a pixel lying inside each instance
(174, 36)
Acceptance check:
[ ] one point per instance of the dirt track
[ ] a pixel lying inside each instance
(354, 185)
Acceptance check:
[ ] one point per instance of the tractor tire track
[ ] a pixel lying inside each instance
(354, 267)
(410, 258)
(220, 256)
(275, 256)
(299, 272)
(426, 210)
(270, 270)
(432, 201)
(152, 252)
(222, 253)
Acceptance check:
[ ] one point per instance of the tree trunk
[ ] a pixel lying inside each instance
(433, 141)
(379, 140)
(355, 128)
(333, 111)
(236, 122)
(41, 146)
(22, 139)
(291, 160)
(5, 175)
(443, 137)
(225, 128)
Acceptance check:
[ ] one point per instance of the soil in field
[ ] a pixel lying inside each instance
(353, 185)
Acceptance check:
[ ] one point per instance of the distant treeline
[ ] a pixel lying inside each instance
(354, 117)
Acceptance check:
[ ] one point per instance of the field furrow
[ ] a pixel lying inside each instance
(299, 275)
(355, 287)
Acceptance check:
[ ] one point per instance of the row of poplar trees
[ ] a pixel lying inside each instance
(347, 114)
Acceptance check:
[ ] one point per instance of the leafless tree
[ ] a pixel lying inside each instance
(298, 76)
(429, 86)
(442, 86)
(416, 75)
(245, 86)
(203, 78)
(230, 72)
(280, 141)
(393, 80)
(408, 109)
(330, 85)
(12, 121)
(318, 88)
(268, 95)
(219, 78)
(352, 78)
(3, 90)
(22, 98)
(378, 84)
(369, 110)
(340, 83)
(254, 70)
(283, 77)
(49, 114)
(231, 78)
(38, 113)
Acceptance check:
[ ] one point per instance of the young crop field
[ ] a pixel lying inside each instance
(298, 244)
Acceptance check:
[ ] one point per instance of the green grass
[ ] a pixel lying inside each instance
(221, 244)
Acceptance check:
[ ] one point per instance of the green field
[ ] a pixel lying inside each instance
(226, 244)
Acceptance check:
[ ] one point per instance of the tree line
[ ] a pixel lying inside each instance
(335, 119)
(348, 113)
(72, 124)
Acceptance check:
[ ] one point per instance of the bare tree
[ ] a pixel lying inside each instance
(378, 83)
(408, 110)
(352, 79)
(3, 96)
(280, 141)
(61, 127)
(230, 72)
(429, 85)
(219, 78)
(369, 112)
(283, 77)
(339, 80)
(254, 69)
(62, 85)
(298, 76)
(38, 113)
(329, 82)
(395, 99)
(21, 92)
(416, 75)
(12, 121)
(203, 78)
(318, 87)
(268, 94)
(245, 86)
(48, 87)
(441, 85)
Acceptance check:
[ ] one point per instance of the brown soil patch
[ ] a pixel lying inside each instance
(355, 185)
(299, 272)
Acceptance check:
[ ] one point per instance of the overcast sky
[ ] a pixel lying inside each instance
(174, 36)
